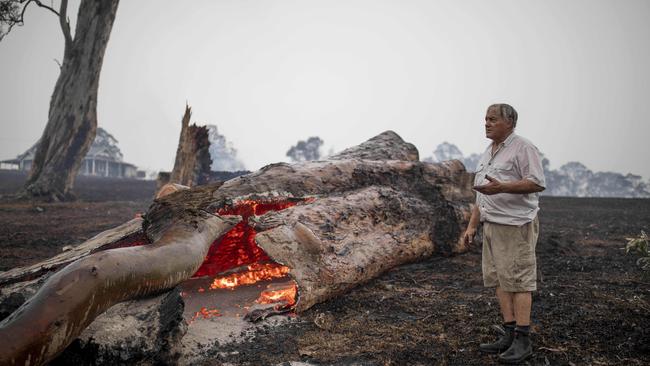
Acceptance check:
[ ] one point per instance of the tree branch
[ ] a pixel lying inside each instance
(65, 26)
(44, 6)
(11, 20)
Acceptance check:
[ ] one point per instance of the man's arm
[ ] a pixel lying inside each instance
(468, 236)
(523, 186)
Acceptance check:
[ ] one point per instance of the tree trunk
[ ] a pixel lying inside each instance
(72, 119)
(74, 296)
(192, 164)
(358, 214)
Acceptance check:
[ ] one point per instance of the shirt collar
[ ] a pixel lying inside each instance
(505, 142)
(509, 139)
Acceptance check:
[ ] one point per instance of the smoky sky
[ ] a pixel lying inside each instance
(270, 73)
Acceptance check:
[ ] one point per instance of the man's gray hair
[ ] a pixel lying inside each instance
(507, 112)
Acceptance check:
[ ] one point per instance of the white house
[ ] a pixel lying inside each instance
(103, 159)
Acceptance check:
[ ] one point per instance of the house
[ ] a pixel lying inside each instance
(103, 159)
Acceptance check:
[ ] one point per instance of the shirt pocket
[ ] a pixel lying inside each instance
(504, 171)
(479, 174)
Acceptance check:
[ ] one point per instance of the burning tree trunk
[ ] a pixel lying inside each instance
(330, 225)
(72, 119)
(192, 165)
(74, 296)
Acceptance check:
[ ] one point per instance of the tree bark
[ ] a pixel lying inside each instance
(362, 212)
(74, 296)
(72, 119)
(192, 164)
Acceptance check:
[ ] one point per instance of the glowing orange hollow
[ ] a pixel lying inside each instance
(238, 248)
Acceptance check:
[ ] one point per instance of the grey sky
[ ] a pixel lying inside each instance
(269, 73)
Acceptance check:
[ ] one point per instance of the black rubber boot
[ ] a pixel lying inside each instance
(502, 343)
(520, 349)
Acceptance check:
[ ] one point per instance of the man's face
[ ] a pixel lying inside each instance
(496, 127)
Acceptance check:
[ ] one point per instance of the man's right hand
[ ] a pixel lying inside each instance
(468, 236)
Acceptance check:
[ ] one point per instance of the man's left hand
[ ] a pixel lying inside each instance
(493, 187)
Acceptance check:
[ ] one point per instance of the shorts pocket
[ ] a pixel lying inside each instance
(525, 259)
(524, 230)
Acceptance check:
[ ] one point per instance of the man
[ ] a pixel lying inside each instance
(508, 177)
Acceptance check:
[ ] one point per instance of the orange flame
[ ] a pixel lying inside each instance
(205, 313)
(273, 295)
(256, 272)
(238, 247)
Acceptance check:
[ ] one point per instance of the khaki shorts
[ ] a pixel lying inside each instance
(509, 256)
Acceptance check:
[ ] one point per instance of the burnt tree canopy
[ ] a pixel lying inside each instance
(72, 118)
(340, 222)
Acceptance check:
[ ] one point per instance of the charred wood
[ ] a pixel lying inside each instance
(192, 164)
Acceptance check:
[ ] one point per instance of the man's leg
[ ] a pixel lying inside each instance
(522, 305)
(490, 278)
(506, 302)
(521, 347)
(508, 312)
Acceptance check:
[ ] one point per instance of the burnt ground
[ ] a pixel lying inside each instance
(592, 306)
(31, 232)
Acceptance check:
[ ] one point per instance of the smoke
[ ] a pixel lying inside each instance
(306, 150)
(449, 151)
(223, 154)
(571, 179)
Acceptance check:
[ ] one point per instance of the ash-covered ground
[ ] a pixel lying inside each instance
(592, 307)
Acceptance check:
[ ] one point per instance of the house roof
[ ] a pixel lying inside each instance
(103, 147)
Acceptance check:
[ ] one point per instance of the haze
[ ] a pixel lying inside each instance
(269, 73)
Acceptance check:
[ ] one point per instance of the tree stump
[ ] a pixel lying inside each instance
(192, 164)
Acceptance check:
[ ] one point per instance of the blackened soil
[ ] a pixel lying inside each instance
(592, 307)
(31, 232)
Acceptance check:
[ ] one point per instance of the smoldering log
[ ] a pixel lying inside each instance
(74, 296)
(361, 212)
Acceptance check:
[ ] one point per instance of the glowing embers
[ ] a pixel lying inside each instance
(237, 278)
(238, 248)
(205, 313)
(246, 302)
(281, 294)
(256, 272)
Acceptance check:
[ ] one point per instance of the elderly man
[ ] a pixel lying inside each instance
(508, 177)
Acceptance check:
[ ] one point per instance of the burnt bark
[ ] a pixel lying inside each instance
(192, 164)
(72, 118)
(359, 213)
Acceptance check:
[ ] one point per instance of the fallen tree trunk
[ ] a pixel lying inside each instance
(359, 213)
(73, 297)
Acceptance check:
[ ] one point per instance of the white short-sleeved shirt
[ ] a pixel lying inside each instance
(515, 159)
